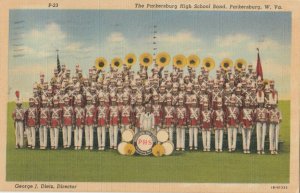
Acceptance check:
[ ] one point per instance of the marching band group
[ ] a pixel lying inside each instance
(236, 100)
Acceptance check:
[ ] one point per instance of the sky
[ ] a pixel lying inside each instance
(83, 35)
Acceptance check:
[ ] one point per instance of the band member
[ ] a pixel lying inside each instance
(247, 116)
(103, 116)
(31, 122)
(218, 123)
(90, 112)
(193, 122)
(157, 112)
(169, 116)
(206, 119)
(44, 122)
(126, 112)
(56, 122)
(138, 110)
(79, 116)
(180, 124)
(232, 115)
(261, 115)
(147, 119)
(67, 113)
(19, 118)
(114, 122)
(274, 121)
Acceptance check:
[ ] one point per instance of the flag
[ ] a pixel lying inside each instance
(58, 63)
(259, 71)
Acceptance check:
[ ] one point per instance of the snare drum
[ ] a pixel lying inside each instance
(169, 147)
(121, 148)
(162, 135)
(127, 135)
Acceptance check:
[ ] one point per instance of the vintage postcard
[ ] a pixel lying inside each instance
(149, 96)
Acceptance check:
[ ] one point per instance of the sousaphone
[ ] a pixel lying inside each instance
(226, 64)
(116, 63)
(179, 61)
(193, 61)
(130, 59)
(240, 64)
(208, 63)
(162, 59)
(146, 59)
(100, 63)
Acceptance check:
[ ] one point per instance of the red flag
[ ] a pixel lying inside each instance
(259, 71)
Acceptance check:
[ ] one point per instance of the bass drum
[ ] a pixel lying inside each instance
(121, 148)
(169, 147)
(127, 135)
(162, 135)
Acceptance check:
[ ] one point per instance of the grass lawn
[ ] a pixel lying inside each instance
(109, 166)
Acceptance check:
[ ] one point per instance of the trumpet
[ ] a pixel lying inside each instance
(116, 63)
(226, 64)
(193, 61)
(179, 61)
(162, 59)
(146, 59)
(240, 64)
(100, 63)
(208, 63)
(130, 60)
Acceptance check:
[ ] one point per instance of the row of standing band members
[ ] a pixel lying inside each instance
(117, 99)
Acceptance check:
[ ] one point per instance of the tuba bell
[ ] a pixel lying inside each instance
(179, 61)
(193, 61)
(208, 63)
(162, 59)
(226, 64)
(146, 59)
(100, 63)
(116, 63)
(240, 64)
(130, 59)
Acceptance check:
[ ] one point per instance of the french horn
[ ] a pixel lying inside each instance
(130, 59)
(208, 63)
(193, 61)
(100, 63)
(240, 64)
(162, 59)
(226, 64)
(179, 61)
(146, 59)
(116, 63)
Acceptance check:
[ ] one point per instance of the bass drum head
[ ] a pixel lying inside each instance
(127, 135)
(169, 147)
(121, 148)
(162, 135)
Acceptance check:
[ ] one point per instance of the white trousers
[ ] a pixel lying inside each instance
(136, 130)
(219, 139)
(206, 138)
(171, 130)
(113, 135)
(124, 127)
(67, 135)
(78, 136)
(28, 134)
(180, 137)
(260, 135)
(274, 136)
(232, 133)
(31, 139)
(101, 136)
(193, 136)
(54, 135)
(89, 135)
(246, 132)
(19, 132)
(43, 136)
